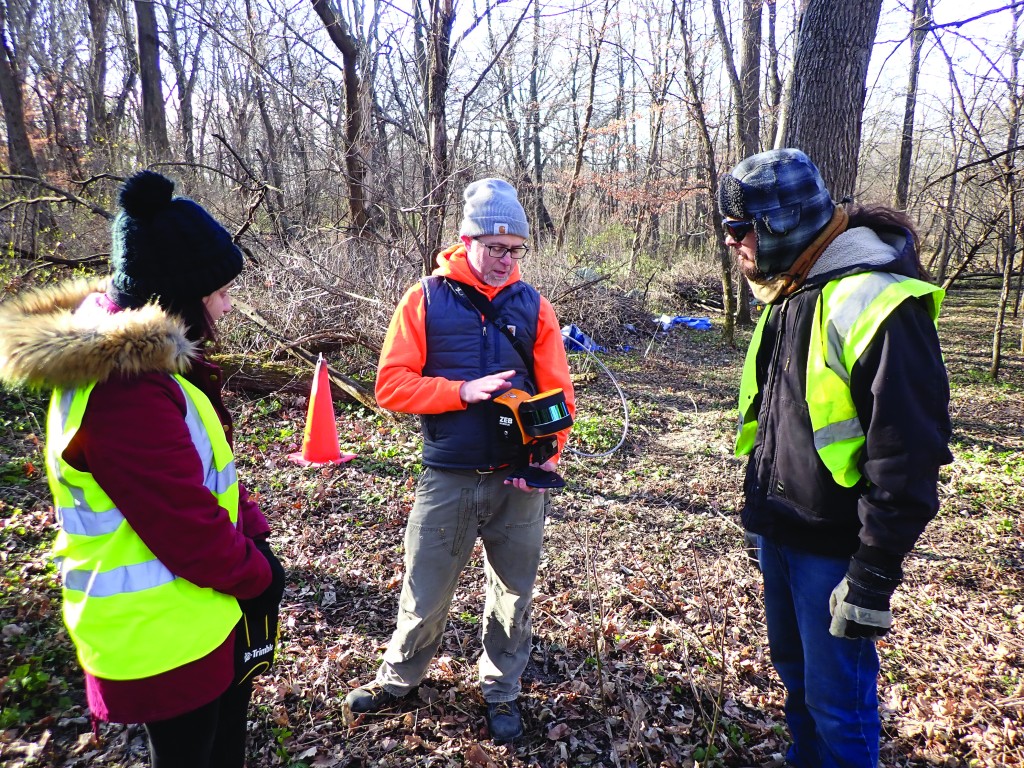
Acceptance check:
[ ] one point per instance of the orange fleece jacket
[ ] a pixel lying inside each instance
(401, 385)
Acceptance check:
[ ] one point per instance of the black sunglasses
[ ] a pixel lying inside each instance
(737, 229)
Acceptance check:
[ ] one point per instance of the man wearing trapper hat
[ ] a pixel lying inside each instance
(446, 360)
(844, 420)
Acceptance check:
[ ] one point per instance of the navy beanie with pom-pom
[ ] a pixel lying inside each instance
(167, 249)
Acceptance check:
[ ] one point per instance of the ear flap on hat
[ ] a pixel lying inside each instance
(783, 192)
(730, 197)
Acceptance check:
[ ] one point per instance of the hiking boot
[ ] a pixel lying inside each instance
(504, 721)
(369, 698)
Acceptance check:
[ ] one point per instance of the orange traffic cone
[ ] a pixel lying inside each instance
(320, 440)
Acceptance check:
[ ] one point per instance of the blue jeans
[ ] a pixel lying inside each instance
(831, 683)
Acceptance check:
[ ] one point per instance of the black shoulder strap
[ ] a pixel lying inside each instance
(486, 308)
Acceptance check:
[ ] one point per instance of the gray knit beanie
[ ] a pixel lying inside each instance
(492, 208)
(783, 193)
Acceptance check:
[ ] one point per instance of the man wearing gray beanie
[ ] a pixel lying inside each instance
(446, 356)
(844, 418)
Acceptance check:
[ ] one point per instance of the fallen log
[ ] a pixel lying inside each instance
(345, 383)
(262, 377)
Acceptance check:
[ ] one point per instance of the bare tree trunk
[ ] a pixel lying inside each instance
(97, 125)
(745, 83)
(750, 119)
(116, 115)
(709, 168)
(518, 135)
(273, 163)
(19, 148)
(20, 157)
(154, 116)
(947, 214)
(829, 77)
(919, 29)
(1010, 184)
(746, 80)
(541, 218)
(597, 38)
(355, 168)
(270, 151)
(186, 82)
(774, 84)
(750, 77)
(435, 72)
(1004, 296)
(786, 100)
(646, 224)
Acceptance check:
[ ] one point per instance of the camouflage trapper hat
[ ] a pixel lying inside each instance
(782, 192)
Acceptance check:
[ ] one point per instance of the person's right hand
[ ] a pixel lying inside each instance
(478, 390)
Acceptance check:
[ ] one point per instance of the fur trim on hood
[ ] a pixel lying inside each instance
(45, 343)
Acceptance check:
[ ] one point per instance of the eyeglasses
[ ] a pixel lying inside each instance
(498, 251)
(737, 230)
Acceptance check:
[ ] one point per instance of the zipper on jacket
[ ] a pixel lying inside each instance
(489, 450)
(483, 348)
(769, 393)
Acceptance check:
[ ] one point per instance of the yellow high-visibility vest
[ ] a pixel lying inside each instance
(129, 616)
(847, 315)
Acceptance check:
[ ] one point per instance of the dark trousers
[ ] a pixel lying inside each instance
(212, 736)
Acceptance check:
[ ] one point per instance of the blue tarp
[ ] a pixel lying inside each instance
(580, 340)
(575, 340)
(696, 323)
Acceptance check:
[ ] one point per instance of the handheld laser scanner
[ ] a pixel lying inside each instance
(533, 421)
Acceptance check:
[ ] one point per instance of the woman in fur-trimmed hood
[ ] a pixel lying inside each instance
(160, 549)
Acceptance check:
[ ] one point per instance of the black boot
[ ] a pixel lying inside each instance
(504, 720)
(369, 698)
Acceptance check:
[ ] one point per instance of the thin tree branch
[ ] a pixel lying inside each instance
(962, 22)
(989, 158)
(349, 385)
(99, 210)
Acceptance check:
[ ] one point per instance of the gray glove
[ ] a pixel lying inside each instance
(860, 602)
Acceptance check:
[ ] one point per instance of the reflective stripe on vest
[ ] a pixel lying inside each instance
(847, 315)
(746, 432)
(130, 616)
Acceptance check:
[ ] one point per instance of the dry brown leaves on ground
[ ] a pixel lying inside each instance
(649, 646)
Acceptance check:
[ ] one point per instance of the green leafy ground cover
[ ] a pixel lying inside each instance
(649, 644)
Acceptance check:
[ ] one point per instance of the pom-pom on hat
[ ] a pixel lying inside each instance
(492, 208)
(166, 248)
(783, 193)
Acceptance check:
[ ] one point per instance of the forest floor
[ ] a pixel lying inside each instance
(649, 645)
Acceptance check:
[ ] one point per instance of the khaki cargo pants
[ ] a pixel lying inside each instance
(453, 508)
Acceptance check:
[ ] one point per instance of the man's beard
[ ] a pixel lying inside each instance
(495, 281)
(752, 271)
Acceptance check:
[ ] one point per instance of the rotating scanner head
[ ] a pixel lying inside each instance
(538, 415)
